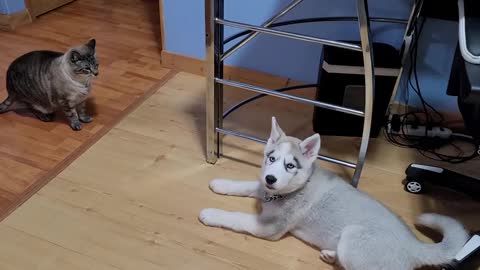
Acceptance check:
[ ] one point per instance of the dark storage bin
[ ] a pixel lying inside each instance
(341, 82)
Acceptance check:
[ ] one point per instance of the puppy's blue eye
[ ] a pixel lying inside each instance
(290, 166)
(271, 159)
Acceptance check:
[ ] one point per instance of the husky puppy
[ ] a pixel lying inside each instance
(349, 227)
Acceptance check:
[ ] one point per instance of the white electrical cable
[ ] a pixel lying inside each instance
(462, 136)
(462, 37)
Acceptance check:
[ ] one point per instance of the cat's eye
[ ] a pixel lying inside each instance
(290, 166)
(271, 159)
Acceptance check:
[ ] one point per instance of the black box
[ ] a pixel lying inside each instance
(341, 82)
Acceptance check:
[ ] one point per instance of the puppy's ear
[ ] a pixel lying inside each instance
(276, 133)
(310, 147)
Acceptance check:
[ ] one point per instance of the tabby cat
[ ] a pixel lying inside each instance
(47, 81)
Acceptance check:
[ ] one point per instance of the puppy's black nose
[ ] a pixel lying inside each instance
(270, 179)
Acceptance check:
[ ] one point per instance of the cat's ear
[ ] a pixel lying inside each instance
(91, 43)
(74, 56)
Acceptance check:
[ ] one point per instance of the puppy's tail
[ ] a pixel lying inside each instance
(454, 237)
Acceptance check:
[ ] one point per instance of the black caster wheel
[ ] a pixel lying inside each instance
(414, 186)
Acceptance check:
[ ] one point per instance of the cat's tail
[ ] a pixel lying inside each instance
(6, 104)
(454, 237)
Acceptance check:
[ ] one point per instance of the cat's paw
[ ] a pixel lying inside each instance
(75, 125)
(85, 118)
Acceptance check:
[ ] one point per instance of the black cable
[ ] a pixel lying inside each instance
(247, 100)
(426, 104)
(413, 70)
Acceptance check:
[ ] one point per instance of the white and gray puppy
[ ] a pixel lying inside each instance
(319, 207)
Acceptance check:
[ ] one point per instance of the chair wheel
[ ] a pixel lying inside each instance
(414, 186)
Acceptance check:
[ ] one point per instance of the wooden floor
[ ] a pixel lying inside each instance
(128, 49)
(131, 201)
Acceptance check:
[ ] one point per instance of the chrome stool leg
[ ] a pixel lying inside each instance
(214, 69)
(365, 38)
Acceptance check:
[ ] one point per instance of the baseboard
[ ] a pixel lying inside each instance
(9, 22)
(197, 66)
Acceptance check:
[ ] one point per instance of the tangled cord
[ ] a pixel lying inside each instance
(429, 117)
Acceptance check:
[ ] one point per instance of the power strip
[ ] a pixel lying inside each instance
(422, 131)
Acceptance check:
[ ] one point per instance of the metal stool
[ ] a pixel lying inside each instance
(214, 23)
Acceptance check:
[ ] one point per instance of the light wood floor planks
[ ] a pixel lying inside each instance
(128, 49)
(131, 201)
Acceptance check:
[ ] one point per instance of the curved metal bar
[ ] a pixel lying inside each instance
(255, 97)
(315, 19)
(389, 20)
(365, 37)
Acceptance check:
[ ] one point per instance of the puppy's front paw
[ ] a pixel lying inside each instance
(220, 186)
(211, 217)
(328, 256)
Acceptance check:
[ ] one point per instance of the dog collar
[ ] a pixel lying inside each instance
(275, 197)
